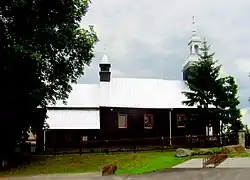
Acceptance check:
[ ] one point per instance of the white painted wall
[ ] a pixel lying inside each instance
(73, 119)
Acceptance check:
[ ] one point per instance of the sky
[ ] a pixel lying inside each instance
(148, 39)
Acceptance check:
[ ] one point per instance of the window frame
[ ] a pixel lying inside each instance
(184, 119)
(126, 121)
(152, 119)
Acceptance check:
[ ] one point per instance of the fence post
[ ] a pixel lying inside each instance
(106, 147)
(162, 144)
(80, 146)
(134, 145)
(190, 143)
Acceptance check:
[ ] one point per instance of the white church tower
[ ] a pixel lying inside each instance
(194, 48)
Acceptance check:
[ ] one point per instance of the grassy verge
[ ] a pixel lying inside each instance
(128, 163)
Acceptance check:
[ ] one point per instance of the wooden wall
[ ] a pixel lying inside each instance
(135, 123)
(135, 126)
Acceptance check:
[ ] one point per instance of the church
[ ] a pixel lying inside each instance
(128, 108)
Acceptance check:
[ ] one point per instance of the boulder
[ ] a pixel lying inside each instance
(240, 148)
(205, 152)
(181, 152)
(229, 149)
(233, 149)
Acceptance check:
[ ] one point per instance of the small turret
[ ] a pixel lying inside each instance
(105, 74)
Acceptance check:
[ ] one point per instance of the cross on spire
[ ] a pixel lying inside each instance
(193, 20)
(194, 30)
(105, 48)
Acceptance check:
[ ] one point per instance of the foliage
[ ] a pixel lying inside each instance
(215, 95)
(246, 129)
(203, 70)
(227, 101)
(43, 50)
(203, 77)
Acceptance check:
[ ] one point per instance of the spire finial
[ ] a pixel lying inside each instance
(104, 59)
(194, 30)
(105, 48)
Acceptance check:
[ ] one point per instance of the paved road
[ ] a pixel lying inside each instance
(235, 163)
(171, 174)
(228, 163)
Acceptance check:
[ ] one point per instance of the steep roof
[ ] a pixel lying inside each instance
(82, 95)
(144, 93)
(127, 92)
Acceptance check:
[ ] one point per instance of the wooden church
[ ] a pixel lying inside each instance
(127, 108)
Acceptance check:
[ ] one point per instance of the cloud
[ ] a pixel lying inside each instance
(149, 38)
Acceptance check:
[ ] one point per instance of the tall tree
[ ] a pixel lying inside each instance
(227, 101)
(203, 75)
(207, 89)
(43, 50)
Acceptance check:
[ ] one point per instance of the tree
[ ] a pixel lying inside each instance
(234, 113)
(43, 51)
(246, 129)
(208, 89)
(203, 75)
(227, 101)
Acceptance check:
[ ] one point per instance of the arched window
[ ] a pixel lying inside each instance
(196, 49)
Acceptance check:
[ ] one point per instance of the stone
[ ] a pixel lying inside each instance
(181, 152)
(240, 148)
(233, 149)
(205, 152)
(228, 149)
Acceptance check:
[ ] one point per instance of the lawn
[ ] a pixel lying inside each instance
(128, 163)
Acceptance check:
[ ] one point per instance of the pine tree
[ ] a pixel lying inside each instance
(207, 89)
(227, 101)
(203, 78)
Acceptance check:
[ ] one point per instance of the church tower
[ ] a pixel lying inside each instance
(194, 50)
(105, 73)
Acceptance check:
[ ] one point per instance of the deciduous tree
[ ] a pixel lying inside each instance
(43, 51)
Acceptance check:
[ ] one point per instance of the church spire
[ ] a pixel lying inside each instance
(195, 41)
(194, 48)
(105, 73)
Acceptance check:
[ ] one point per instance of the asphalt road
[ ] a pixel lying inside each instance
(170, 174)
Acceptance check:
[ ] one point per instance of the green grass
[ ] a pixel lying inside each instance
(128, 163)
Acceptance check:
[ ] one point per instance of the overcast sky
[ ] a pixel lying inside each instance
(148, 39)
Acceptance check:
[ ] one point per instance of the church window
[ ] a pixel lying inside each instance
(181, 120)
(209, 130)
(185, 75)
(196, 48)
(148, 121)
(122, 121)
